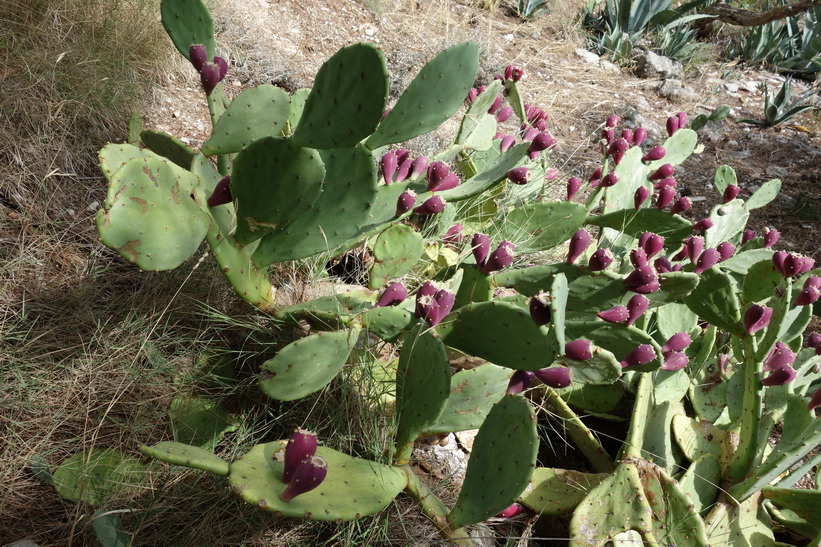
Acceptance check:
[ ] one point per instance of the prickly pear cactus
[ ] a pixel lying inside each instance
(186, 455)
(188, 22)
(558, 491)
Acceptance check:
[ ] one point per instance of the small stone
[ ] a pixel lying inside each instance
(732, 88)
(93, 206)
(777, 171)
(587, 56)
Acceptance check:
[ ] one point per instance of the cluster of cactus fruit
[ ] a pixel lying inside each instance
(696, 324)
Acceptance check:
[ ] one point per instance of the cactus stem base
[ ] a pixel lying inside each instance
(435, 510)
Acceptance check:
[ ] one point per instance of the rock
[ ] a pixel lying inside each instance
(778, 172)
(714, 131)
(674, 91)
(732, 88)
(650, 65)
(466, 439)
(587, 56)
(633, 119)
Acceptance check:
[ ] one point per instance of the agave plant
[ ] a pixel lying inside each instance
(778, 109)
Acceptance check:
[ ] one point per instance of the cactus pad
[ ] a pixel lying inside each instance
(352, 489)
(388, 322)
(188, 22)
(273, 183)
(701, 482)
(542, 226)
(635, 222)
(739, 525)
(94, 476)
(715, 300)
(307, 365)
(347, 100)
(432, 97)
(501, 462)
(187, 455)
(168, 147)
(697, 438)
(616, 338)
(729, 220)
(113, 156)
(558, 491)
(494, 173)
(150, 218)
(602, 369)
(331, 306)
(261, 111)
(396, 252)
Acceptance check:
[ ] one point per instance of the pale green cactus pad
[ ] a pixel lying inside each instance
(396, 252)
(353, 488)
(558, 491)
(541, 226)
(186, 455)
(168, 147)
(188, 22)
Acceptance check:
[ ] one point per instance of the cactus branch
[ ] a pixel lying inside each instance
(641, 412)
(435, 510)
(750, 413)
(581, 435)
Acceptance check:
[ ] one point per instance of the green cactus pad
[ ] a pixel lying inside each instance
(473, 393)
(729, 220)
(558, 491)
(341, 209)
(514, 97)
(297, 107)
(697, 438)
(197, 421)
(740, 263)
(136, 123)
(760, 281)
(701, 482)
(675, 318)
(593, 398)
(764, 195)
(501, 462)
(395, 253)
(501, 332)
(347, 100)
(307, 365)
(602, 368)
(616, 338)
(670, 385)
(330, 306)
(723, 177)
(150, 218)
(261, 111)
(635, 222)
(494, 173)
(187, 455)
(790, 520)
(739, 525)
(353, 488)
(558, 308)
(168, 147)
(422, 383)
(541, 226)
(715, 300)
(432, 97)
(476, 117)
(188, 22)
(632, 174)
(387, 322)
(94, 476)
(808, 366)
(273, 183)
(529, 281)
(113, 156)
(591, 294)
(673, 287)
(658, 445)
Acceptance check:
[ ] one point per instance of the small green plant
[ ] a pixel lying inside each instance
(528, 9)
(718, 114)
(778, 109)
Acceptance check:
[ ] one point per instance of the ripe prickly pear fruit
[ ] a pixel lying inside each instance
(198, 56)
(600, 260)
(223, 64)
(574, 184)
(756, 318)
(481, 248)
(405, 203)
(612, 121)
(401, 155)
(812, 281)
(638, 258)
(310, 474)
(520, 381)
(641, 195)
(511, 511)
(427, 308)
(730, 193)
(815, 400)
(472, 94)
(578, 350)
(680, 205)
(639, 135)
(675, 360)
(222, 193)
(779, 356)
(694, 247)
(431, 206)
(770, 237)
(444, 301)
(725, 250)
(497, 104)
(618, 314)
(655, 154)
(780, 376)
(663, 172)
(436, 172)
(514, 73)
(677, 342)
(667, 181)
(451, 180)
(636, 307)
(419, 166)
(792, 264)
(651, 243)
(501, 258)
(209, 77)
(808, 296)
(639, 356)
(507, 142)
(642, 280)
(662, 265)
(403, 171)
(504, 114)
(389, 163)
(813, 340)
(702, 225)
(707, 260)
(682, 120)
(747, 236)
(395, 294)
(610, 179)
(665, 196)
(519, 175)
(618, 149)
(578, 244)
(540, 308)
(542, 141)
(627, 135)
(301, 445)
(555, 377)
(454, 235)
(672, 125)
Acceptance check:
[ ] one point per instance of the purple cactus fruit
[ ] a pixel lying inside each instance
(578, 244)
(781, 355)
(508, 74)
(730, 193)
(514, 73)
(427, 289)
(431, 206)
(780, 376)
(436, 172)
(747, 236)
(405, 203)
(627, 135)
(639, 356)
(791, 264)
(497, 104)
(662, 265)
(642, 280)
(779, 257)
(541, 123)
(618, 149)
(511, 511)
(618, 314)
(223, 64)
(530, 134)
(639, 135)
(578, 350)
(395, 294)
(198, 56)
(702, 225)
(222, 193)
(209, 77)
(301, 445)
(663, 172)
(519, 175)
(600, 260)
(641, 195)
(725, 250)
(444, 300)
(454, 235)
(808, 296)
(651, 243)
(677, 342)
(812, 281)
(655, 154)
(667, 181)
(680, 205)
(815, 400)
(419, 166)
(682, 120)
(555, 377)
(636, 307)
(756, 318)
(310, 474)
(610, 179)
(694, 247)
(608, 136)
(451, 180)
(574, 184)
(770, 237)
(540, 308)
(401, 155)
(675, 360)
(504, 114)
(389, 164)
(520, 381)
(665, 196)
(500, 258)
(638, 258)
(596, 175)
(403, 171)
(481, 248)
(427, 308)
(506, 143)
(707, 260)
(672, 125)
(612, 121)
(723, 362)
(813, 340)
(542, 141)
(472, 94)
